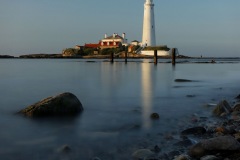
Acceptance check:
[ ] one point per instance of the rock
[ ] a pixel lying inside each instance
(209, 157)
(184, 143)
(181, 157)
(156, 149)
(173, 154)
(155, 116)
(96, 158)
(142, 154)
(222, 108)
(183, 80)
(213, 61)
(217, 144)
(197, 151)
(194, 131)
(221, 130)
(238, 97)
(225, 143)
(190, 96)
(236, 107)
(64, 149)
(64, 104)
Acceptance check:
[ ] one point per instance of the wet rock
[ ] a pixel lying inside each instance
(168, 137)
(221, 143)
(155, 116)
(190, 96)
(183, 80)
(209, 157)
(213, 61)
(142, 154)
(64, 149)
(214, 145)
(182, 157)
(237, 136)
(173, 154)
(221, 130)
(238, 97)
(184, 143)
(194, 131)
(222, 108)
(197, 151)
(236, 107)
(156, 149)
(65, 104)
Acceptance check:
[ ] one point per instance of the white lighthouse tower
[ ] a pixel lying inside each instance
(148, 36)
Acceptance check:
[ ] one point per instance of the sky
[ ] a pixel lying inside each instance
(195, 27)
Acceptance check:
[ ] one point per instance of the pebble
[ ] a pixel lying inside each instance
(182, 157)
(142, 154)
(209, 157)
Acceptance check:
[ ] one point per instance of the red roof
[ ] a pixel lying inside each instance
(91, 45)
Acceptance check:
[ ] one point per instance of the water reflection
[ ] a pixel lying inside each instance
(146, 94)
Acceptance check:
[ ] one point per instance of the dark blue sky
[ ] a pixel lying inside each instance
(203, 27)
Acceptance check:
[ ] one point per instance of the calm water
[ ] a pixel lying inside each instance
(118, 99)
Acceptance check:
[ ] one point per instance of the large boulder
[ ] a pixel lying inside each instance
(214, 145)
(65, 104)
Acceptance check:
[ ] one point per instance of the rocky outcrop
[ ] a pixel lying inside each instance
(71, 52)
(65, 104)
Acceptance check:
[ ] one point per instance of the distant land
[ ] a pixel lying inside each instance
(121, 55)
(6, 56)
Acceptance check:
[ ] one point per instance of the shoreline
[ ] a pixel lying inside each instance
(132, 56)
(201, 137)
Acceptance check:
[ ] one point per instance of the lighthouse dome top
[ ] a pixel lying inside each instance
(149, 1)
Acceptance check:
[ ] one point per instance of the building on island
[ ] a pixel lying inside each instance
(113, 41)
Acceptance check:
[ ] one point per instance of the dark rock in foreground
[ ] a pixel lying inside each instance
(65, 104)
(220, 144)
(194, 131)
(238, 97)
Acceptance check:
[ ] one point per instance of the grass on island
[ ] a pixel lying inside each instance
(164, 47)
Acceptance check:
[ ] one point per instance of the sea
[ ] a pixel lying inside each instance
(118, 99)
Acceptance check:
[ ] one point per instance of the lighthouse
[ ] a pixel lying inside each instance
(148, 36)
